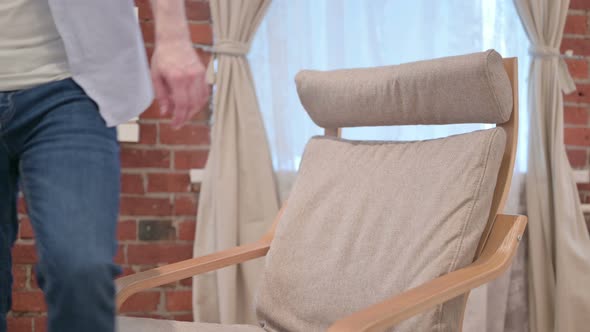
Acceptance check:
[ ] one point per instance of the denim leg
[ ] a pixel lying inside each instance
(8, 229)
(69, 169)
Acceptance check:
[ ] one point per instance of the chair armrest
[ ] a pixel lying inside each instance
(135, 283)
(495, 259)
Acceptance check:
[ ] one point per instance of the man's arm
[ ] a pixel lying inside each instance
(177, 73)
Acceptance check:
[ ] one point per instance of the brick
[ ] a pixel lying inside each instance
(142, 302)
(24, 254)
(151, 315)
(20, 324)
(576, 24)
(201, 33)
(579, 4)
(144, 206)
(198, 10)
(148, 32)
(156, 230)
(195, 10)
(145, 9)
(185, 205)
(26, 229)
(22, 205)
(139, 158)
(153, 112)
(127, 230)
(19, 275)
(190, 134)
(41, 324)
(168, 182)
(188, 282)
(120, 255)
(132, 184)
(578, 45)
(577, 136)
(33, 279)
(179, 300)
(578, 158)
(581, 95)
(28, 301)
(578, 68)
(148, 133)
(188, 159)
(186, 230)
(157, 253)
(184, 317)
(575, 115)
(144, 267)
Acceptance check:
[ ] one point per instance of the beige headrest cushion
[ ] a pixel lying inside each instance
(472, 88)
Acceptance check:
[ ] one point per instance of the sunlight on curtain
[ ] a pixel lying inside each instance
(331, 34)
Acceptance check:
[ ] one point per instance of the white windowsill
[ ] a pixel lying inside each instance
(197, 175)
(128, 132)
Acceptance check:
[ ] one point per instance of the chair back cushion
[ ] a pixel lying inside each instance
(367, 220)
(472, 88)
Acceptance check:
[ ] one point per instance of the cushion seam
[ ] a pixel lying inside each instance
(466, 221)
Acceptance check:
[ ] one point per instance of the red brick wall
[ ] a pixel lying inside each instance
(158, 203)
(577, 105)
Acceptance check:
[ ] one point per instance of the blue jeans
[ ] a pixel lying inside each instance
(54, 143)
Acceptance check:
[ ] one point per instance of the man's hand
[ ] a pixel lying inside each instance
(177, 73)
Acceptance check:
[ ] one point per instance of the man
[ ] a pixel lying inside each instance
(69, 72)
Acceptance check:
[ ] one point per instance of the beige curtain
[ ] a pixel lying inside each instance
(238, 199)
(559, 245)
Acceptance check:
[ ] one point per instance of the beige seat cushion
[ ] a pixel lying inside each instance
(368, 220)
(132, 324)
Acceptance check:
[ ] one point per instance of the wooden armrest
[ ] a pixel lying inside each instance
(495, 259)
(135, 283)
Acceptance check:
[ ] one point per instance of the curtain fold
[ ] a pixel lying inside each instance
(238, 198)
(558, 244)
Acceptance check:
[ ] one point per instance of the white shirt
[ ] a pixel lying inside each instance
(31, 50)
(106, 54)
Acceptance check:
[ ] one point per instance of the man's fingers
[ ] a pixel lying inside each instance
(180, 97)
(199, 95)
(204, 92)
(162, 92)
(194, 97)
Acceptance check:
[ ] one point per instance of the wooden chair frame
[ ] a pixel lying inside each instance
(494, 254)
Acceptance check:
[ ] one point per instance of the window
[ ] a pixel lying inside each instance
(330, 34)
